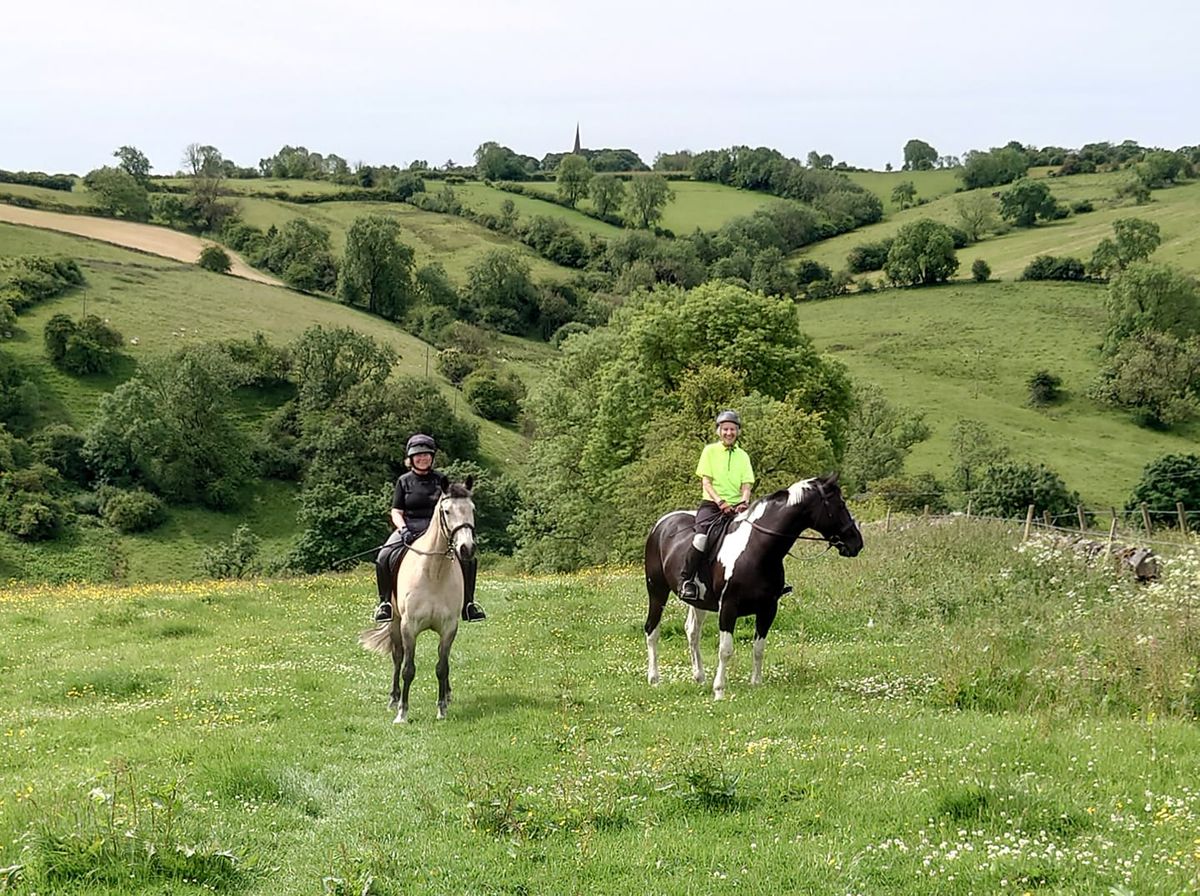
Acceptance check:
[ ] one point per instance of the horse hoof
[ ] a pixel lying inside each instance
(401, 719)
(653, 679)
(718, 695)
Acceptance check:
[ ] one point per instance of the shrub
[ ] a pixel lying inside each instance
(1171, 479)
(571, 328)
(493, 395)
(1043, 388)
(135, 510)
(215, 259)
(922, 254)
(61, 448)
(1006, 489)
(233, 559)
(1049, 267)
(455, 364)
(868, 256)
(911, 494)
(981, 270)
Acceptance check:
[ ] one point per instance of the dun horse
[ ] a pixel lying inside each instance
(743, 574)
(428, 595)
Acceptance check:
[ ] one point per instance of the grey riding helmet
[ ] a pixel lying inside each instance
(729, 417)
(420, 444)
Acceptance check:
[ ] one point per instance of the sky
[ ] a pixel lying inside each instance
(389, 81)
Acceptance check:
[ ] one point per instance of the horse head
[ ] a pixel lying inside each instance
(832, 518)
(456, 516)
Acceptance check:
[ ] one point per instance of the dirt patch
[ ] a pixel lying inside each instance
(129, 235)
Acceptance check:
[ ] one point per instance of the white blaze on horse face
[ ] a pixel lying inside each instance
(735, 541)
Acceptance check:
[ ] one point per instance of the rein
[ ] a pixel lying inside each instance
(449, 533)
(830, 541)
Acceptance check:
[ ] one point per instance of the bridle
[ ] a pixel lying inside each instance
(444, 526)
(836, 540)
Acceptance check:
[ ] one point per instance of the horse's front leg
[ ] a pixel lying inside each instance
(726, 621)
(693, 625)
(409, 641)
(762, 625)
(397, 663)
(443, 671)
(658, 600)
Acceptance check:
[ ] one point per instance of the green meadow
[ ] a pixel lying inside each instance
(966, 350)
(930, 185)
(950, 712)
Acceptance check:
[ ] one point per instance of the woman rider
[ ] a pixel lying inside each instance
(726, 477)
(413, 500)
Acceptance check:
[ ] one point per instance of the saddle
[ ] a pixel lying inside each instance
(716, 537)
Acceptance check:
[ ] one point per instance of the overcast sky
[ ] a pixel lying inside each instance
(387, 81)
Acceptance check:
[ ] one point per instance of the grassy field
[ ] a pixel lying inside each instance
(484, 198)
(965, 351)
(165, 304)
(79, 197)
(983, 721)
(1175, 210)
(930, 184)
(268, 185)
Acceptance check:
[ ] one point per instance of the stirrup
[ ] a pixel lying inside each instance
(787, 589)
(472, 612)
(384, 612)
(689, 590)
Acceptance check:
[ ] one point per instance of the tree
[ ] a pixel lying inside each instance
(300, 253)
(919, 155)
(496, 162)
(501, 293)
(973, 446)
(215, 259)
(326, 364)
(921, 254)
(1134, 239)
(1148, 296)
(1155, 376)
(1044, 388)
(646, 199)
(976, 214)
(993, 168)
(377, 270)
(819, 160)
(881, 435)
(494, 395)
(175, 427)
(206, 169)
(1007, 489)
(1026, 202)
(606, 193)
(980, 270)
(1166, 481)
(134, 163)
(118, 193)
(84, 347)
(574, 173)
(904, 194)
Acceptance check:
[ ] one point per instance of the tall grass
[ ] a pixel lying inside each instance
(944, 713)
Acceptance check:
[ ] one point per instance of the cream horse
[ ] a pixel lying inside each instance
(428, 595)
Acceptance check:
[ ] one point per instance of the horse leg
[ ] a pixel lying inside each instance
(409, 640)
(762, 625)
(443, 671)
(397, 662)
(693, 626)
(658, 593)
(727, 620)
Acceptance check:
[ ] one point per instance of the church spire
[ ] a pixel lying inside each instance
(577, 147)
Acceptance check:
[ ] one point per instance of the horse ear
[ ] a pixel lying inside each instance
(832, 478)
(470, 482)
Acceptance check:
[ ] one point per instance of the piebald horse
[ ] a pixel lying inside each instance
(743, 575)
(428, 595)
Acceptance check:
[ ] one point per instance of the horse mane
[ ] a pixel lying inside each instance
(458, 490)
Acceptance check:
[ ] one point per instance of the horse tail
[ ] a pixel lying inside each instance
(377, 638)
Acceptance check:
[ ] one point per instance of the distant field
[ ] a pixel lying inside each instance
(484, 198)
(267, 185)
(79, 197)
(966, 350)
(165, 304)
(453, 242)
(1176, 210)
(930, 184)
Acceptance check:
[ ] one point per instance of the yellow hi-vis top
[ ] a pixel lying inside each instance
(728, 468)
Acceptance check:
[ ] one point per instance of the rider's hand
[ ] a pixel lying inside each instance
(742, 508)
(725, 507)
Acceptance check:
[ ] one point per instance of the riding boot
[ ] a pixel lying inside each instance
(471, 611)
(386, 564)
(688, 589)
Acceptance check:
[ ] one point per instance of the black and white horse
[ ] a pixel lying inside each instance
(428, 595)
(745, 571)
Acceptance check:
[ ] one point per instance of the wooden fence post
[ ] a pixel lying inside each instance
(1028, 522)
(1112, 534)
(887, 521)
(1182, 517)
(1082, 518)
(968, 508)
(1046, 518)
(1146, 518)
(926, 513)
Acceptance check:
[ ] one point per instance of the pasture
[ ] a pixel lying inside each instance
(944, 713)
(1175, 210)
(966, 350)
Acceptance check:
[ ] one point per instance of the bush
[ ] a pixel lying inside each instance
(568, 329)
(455, 364)
(981, 270)
(493, 395)
(215, 259)
(86, 347)
(1043, 388)
(1007, 489)
(135, 510)
(233, 559)
(1049, 267)
(911, 494)
(868, 257)
(61, 448)
(922, 254)
(1171, 479)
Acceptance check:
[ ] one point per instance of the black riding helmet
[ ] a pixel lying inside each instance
(420, 444)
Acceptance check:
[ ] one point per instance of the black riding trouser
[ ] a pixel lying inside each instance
(388, 561)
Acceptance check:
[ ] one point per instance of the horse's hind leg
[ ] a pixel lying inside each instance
(409, 642)
(658, 600)
(443, 671)
(762, 625)
(693, 626)
(397, 663)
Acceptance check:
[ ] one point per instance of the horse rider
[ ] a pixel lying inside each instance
(726, 478)
(416, 494)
